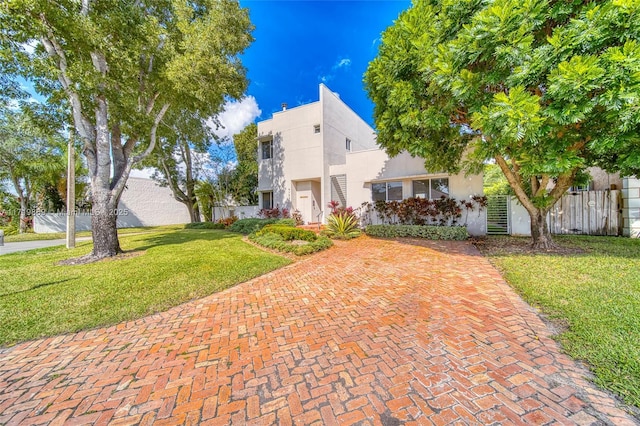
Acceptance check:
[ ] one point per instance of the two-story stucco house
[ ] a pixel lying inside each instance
(320, 152)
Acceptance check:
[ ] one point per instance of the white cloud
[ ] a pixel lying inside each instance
(342, 63)
(236, 116)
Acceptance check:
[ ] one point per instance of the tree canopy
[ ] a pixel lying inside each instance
(121, 67)
(545, 88)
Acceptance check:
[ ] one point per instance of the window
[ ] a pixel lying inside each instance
(387, 191)
(348, 144)
(431, 188)
(267, 200)
(579, 188)
(379, 191)
(266, 148)
(439, 188)
(316, 128)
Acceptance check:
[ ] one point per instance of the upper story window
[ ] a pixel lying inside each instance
(431, 188)
(348, 144)
(316, 128)
(266, 150)
(386, 191)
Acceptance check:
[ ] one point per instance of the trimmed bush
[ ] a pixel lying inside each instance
(288, 233)
(204, 225)
(248, 226)
(419, 231)
(277, 242)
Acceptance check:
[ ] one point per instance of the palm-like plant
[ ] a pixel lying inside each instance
(343, 226)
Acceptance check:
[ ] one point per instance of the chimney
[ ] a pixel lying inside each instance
(284, 106)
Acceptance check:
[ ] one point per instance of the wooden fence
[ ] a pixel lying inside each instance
(587, 212)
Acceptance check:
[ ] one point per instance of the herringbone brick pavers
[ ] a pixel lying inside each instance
(369, 332)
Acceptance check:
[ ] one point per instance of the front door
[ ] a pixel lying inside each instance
(307, 200)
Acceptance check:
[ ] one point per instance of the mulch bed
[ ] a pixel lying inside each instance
(500, 246)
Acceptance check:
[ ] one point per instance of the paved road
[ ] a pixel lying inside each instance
(29, 245)
(369, 332)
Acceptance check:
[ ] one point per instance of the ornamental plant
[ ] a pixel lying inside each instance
(342, 226)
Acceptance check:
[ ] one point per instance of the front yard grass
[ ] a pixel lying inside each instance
(161, 269)
(594, 296)
(32, 236)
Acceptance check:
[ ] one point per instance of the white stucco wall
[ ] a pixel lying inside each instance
(340, 123)
(297, 151)
(374, 165)
(241, 212)
(143, 203)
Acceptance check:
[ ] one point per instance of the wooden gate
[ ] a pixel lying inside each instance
(586, 212)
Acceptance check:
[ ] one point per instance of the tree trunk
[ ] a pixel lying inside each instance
(23, 215)
(105, 232)
(194, 216)
(541, 237)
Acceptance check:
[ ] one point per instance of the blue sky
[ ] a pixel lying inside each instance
(299, 44)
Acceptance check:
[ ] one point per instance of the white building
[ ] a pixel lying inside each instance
(323, 151)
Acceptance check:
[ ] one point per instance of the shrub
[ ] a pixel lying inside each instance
(274, 213)
(204, 225)
(288, 233)
(287, 222)
(277, 242)
(420, 231)
(445, 211)
(228, 221)
(247, 226)
(342, 226)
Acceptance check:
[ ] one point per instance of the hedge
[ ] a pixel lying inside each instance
(277, 242)
(288, 233)
(430, 232)
(247, 226)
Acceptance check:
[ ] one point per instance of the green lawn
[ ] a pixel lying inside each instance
(597, 295)
(40, 298)
(31, 236)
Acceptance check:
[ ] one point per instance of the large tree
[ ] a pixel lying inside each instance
(121, 66)
(545, 88)
(30, 158)
(180, 158)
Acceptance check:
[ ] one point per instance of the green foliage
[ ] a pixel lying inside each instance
(596, 294)
(288, 233)
(494, 182)
(164, 268)
(418, 231)
(546, 89)
(32, 159)
(443, 211)
(250, 225)
(242, 184)
(277, 242)
(342, 226)
(122, 69)
(205, 225)
(287, 222)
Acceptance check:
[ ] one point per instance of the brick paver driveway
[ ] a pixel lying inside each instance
(369, 332)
